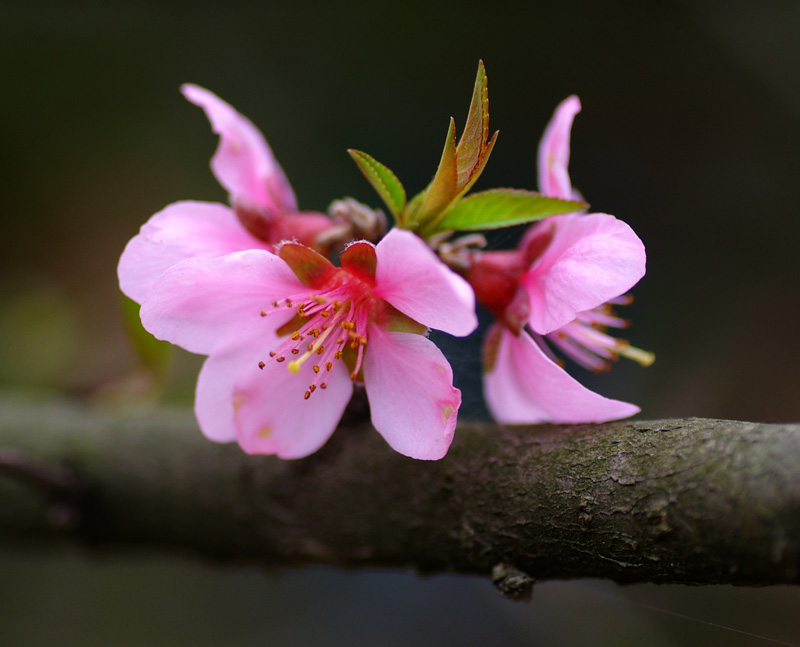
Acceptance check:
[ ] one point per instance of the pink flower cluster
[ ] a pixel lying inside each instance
(287, 333)
(558, 287)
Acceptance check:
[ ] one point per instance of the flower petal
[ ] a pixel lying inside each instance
(208, 304)
(591, 259)
(526, 386)
(411, 277)
(180, 231)
(411, 394)
(554, 151)
(214, 403)
(243, 163)
(273, 417)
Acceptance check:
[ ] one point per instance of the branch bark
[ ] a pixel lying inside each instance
(687, 501)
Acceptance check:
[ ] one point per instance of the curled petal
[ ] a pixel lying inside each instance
(243, 163)
(181, 231)
(204, 305)
(411, 277)
(272, 415)
(411, 394)
(554, 151)
(590, 260)
(525, 386)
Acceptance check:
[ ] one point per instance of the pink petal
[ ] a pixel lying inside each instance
(243, 162)
(554, 151)
(183, 230)
(214, 403)
(525, 386)
(411, 277)
(591, 259)
(207, 304)
(411, 395)
(272, 416)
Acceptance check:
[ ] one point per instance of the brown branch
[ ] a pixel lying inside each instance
(682, 501)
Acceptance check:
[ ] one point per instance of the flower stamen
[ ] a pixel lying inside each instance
(586, 341)
(344, 309)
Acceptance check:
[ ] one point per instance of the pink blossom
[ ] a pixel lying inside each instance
(287, 335)
(557, 287)
(264, 210)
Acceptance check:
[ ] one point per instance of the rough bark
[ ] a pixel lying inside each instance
(687, 501)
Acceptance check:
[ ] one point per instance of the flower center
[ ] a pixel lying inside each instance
(329, 325)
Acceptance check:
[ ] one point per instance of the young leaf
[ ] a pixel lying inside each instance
(498, 208)
(383, 181)
(473, 149)
(444, 187)
(461, 164)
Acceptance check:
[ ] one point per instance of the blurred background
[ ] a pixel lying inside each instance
(690, 132)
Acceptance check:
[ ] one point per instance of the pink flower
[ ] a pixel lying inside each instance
(288, 334)
(264, 208)
(558, 287)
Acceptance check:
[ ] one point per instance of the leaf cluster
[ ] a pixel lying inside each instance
(442, 206)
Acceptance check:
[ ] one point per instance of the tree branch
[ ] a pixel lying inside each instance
(687, 501)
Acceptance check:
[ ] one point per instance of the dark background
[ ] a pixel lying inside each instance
(689, 133)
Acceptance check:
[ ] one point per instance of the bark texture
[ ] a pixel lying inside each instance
(689, 501)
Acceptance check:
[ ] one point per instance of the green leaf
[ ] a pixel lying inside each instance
(503, 208)
(461, 164)
(382, 180)
(443, 189)
(472, 148)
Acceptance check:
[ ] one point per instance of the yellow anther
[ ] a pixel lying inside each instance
(316, 368)
(295, 351)
(320, 350)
